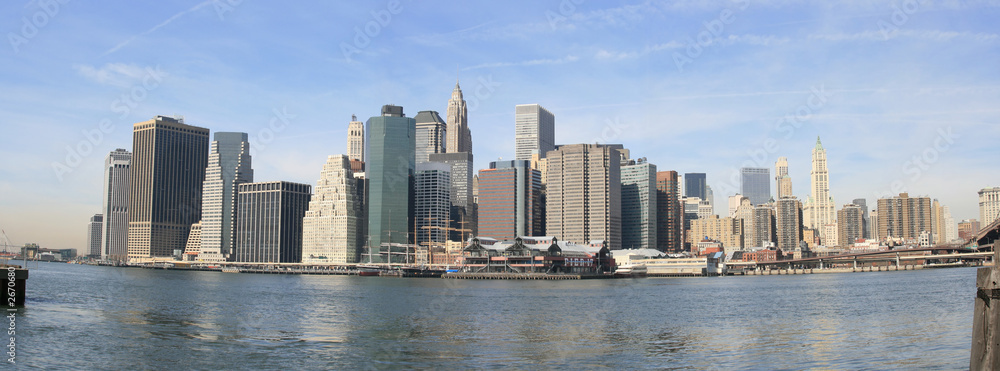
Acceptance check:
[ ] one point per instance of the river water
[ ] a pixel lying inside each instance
(88, 317)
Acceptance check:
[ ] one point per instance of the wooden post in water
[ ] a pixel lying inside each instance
(15, 282)
(986, 322)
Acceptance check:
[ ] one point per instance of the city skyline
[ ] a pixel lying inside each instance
(913, 84)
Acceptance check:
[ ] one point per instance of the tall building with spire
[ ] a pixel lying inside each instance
(782, 181)
(459, 136)
(819, 208)
(356, 139)
(229, 165)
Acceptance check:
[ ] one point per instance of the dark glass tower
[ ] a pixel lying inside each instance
(166, 176)
(391, 140)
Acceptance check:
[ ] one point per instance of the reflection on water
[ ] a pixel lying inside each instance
(87, 317)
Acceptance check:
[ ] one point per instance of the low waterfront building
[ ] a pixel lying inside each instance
(536, 255)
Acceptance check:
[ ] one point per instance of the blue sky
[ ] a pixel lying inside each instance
(699, 86)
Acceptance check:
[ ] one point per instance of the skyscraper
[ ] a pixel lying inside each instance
(989, 205)
(694, 185)
(510, 200)
(583, 201)
(391, 139)
(866, 223)
(819, 207)
(639, 206)
(850, 224)
(356, 139)
(764, 231)
(167, 173)
(534, 131)
(904, 216)
(269, 221)
(114, 238)
(669, 212)
(94, 230)
(782, 181)
(430, 135)
(788, 220)
(229, 165)
(332, 231)
(459, 135)
(463, 216)
(755, 184)
(432, 203)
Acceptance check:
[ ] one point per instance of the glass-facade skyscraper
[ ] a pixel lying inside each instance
(694, 185)
(755, 184)
(431, 134)
(391, 140)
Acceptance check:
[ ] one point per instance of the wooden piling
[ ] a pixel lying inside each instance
(986, 322)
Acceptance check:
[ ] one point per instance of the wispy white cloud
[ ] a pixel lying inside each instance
(533, 62)
(161, 25)
(746, 39)
(925, 35)
(115, 74)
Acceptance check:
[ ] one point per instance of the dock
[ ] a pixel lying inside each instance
(524, 276)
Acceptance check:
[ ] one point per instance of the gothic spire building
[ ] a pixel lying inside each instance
(819, 208)
(459, 136)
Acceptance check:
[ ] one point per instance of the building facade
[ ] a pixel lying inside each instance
(669, 212)
(819, 208)
(270, 216)
(390, 155)
(333, 225)
(904, 216)
(639, 204)
(166, 175)
(94, 230)
(356, 139)
(510, 200)
(432, 203)
(459, 137)
(755, 184)
(866, 220)
(788, 223)
(967, 229)
(431, 135)
(583, 198)
(764, 226)
(727, 231)
(695, 185)
(850, 224)
(463, 215)
(534, 131)
(229, 165)
(989, 205)
(114, 237)
(782, 181)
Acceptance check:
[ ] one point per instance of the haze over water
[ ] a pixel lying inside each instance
(113, 318)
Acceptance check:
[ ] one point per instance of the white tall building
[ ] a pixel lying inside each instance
(818, 210)
(459, 135)
(432, 203)
(950, 227)
(332, 227)
(94, 229)
(356, 139)
(534, 131)
(989, 205)
(228, 167)
(115, 205)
